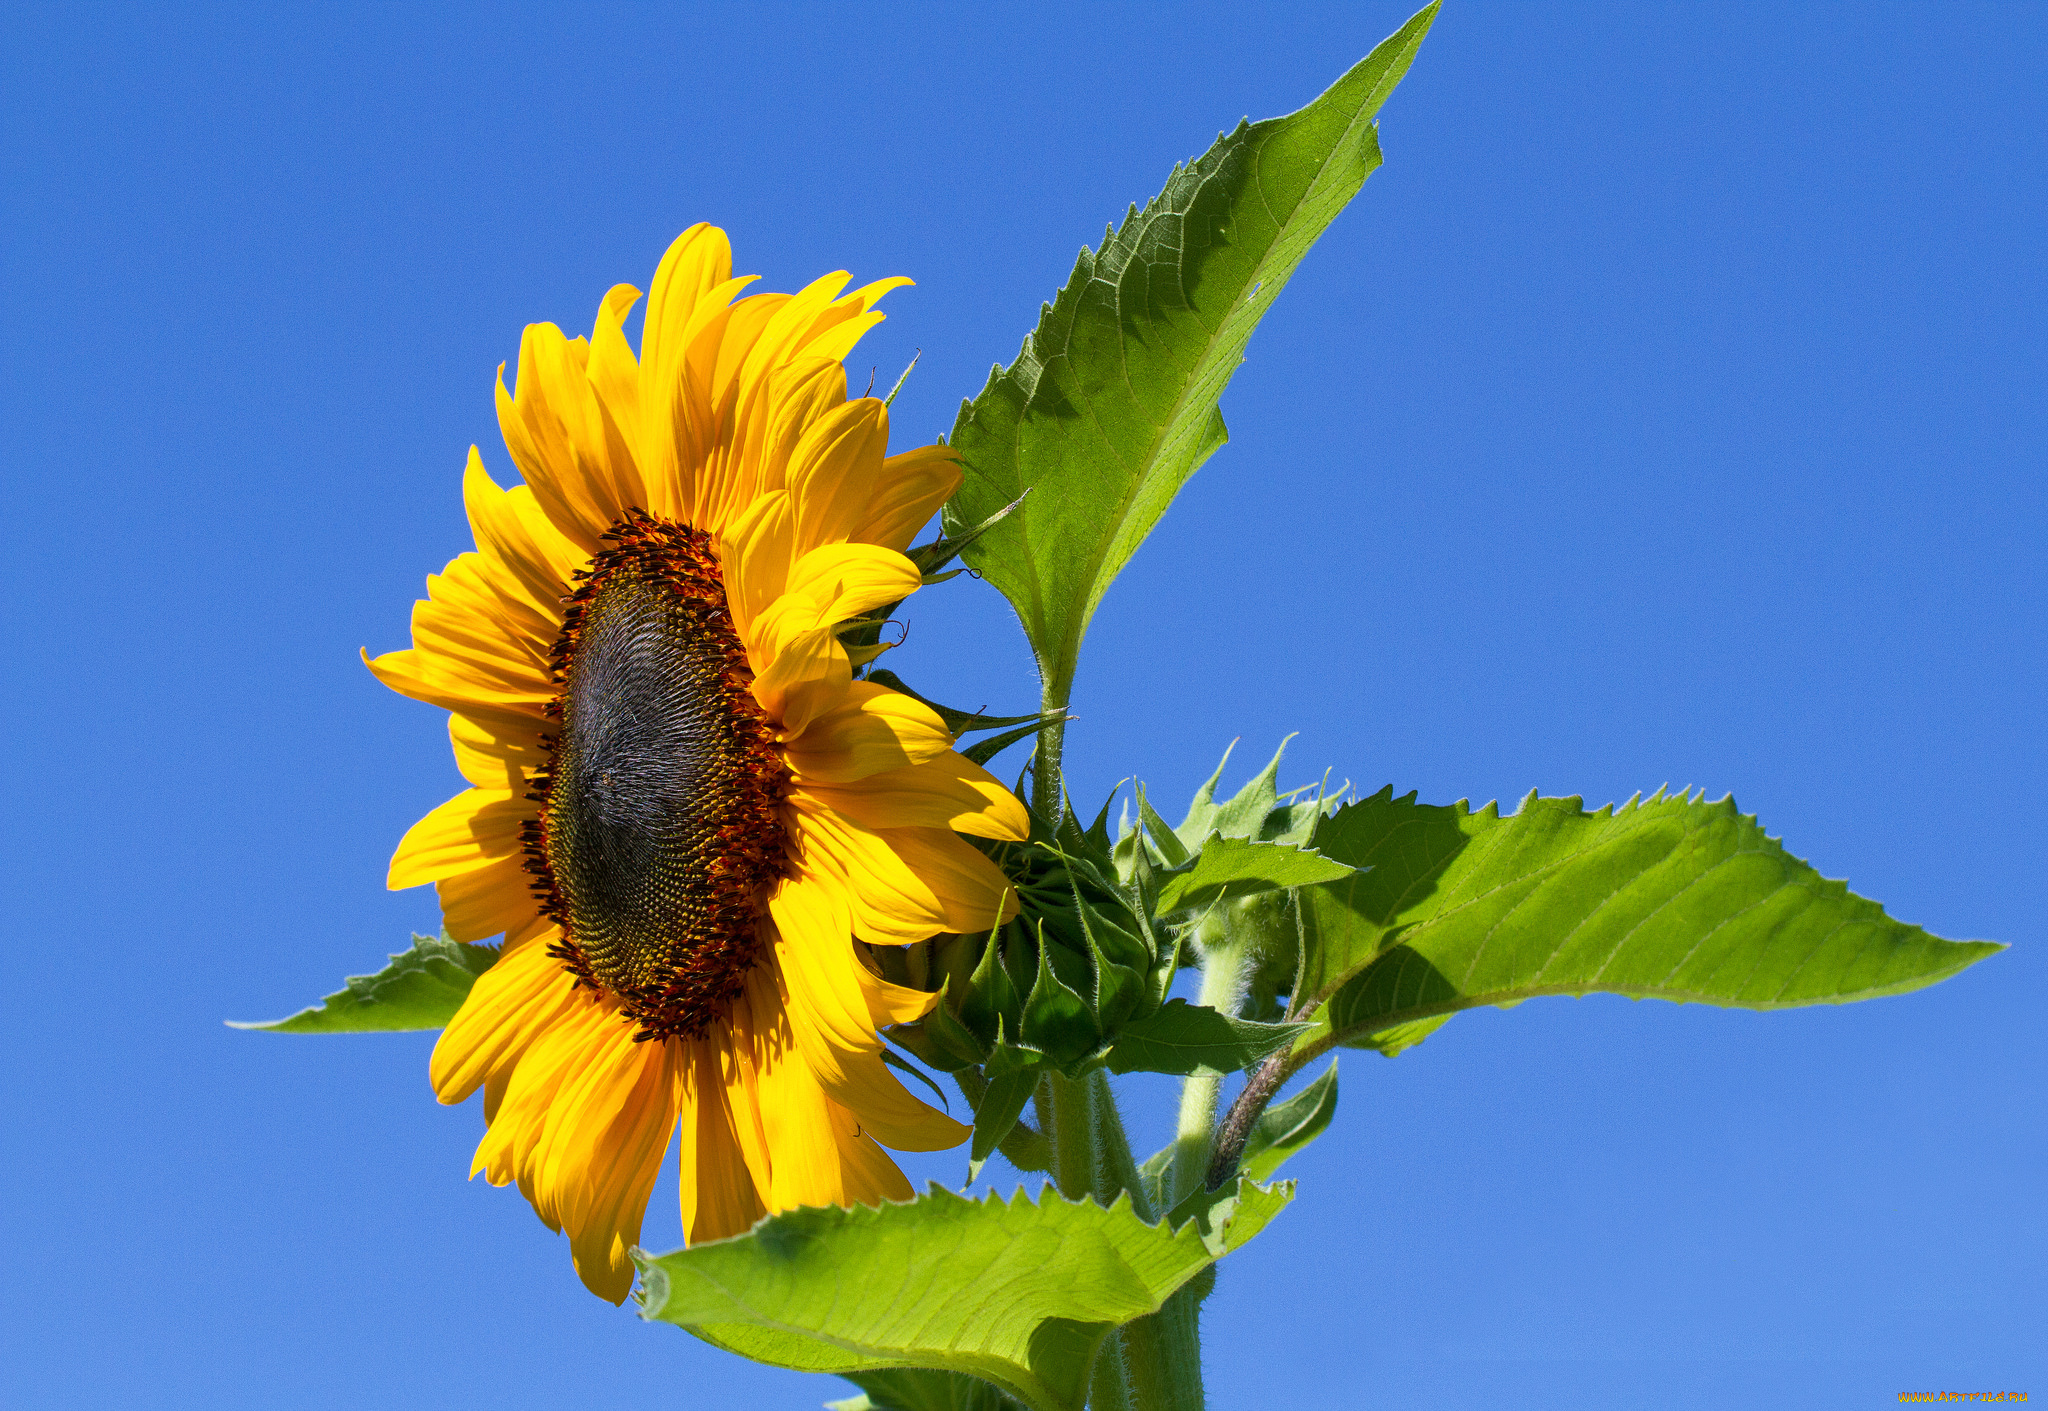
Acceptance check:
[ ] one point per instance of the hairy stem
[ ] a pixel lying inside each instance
(1267, 1080)
(1155, 1362)
(1046, 783)
(1225, 971)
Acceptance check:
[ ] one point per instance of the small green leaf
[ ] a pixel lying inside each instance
(1287, 1127)
(1670, 898)
(912, 1389)
(1392, 1042)
(1057, 1021)
(1227, 868)
(420, 989)
(982, 751)
(1019, 1293)
(916, 1072)
(1182, 1037)
(1001, 1104)
(1111, 403)
(958, 722)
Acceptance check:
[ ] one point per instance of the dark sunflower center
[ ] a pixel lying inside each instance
(660, 827)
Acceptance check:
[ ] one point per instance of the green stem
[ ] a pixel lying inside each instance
(1226, 970)
(1154, 1363)
(1046, 783)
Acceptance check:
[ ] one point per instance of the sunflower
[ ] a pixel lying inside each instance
(687, 819)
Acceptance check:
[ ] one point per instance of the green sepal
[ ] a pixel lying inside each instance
(932, 557)
(1057, 1021)
(1183, 1037)
(918, 1073)
(939, 1039)
(960, 722)
(982, 751)
(1287, 1127)
(421, 988)
(1002, 1102)
(1018, 1292)
(1225, 868)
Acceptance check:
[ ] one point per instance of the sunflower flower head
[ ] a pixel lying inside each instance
(686, 818)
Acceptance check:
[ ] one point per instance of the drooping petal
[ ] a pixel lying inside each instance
(717, 1190)
(828, 1011)
(510, 1005)
(872, 729)
(471, 830)
(946, 792)
(913, 486)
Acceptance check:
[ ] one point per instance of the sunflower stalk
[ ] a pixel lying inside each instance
(1152, 1363)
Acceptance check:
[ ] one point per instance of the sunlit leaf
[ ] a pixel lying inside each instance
(1017, 1292)
(1111, 403)
(1669, 898)
(420, 989)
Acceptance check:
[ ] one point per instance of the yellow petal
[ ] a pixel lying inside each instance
(488, 901)
(828, 1013)
(808, 677)
(471, 830)
(912, 487)
(972, 890)
(947, 792)
(835, 471)
(870, 730)
(717, 1192)
(846, 580)
(511, 528)
(508, 1007)
(494, 756)
(891, 904)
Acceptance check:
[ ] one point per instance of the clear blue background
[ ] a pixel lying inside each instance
(1668, 409)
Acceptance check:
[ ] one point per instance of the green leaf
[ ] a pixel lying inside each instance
(1670, 898)
(1182, 1037)
(1017, 1292)
(982, 751)
(1111, 403)
(420, 989)
(1236, 867)
(1287, 1127)
(959, 722)
(996, 1112)
(912, 1389)
(1393, 1042)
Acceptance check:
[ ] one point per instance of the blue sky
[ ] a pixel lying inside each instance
(1669, 409)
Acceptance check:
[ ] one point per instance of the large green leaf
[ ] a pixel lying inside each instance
(1670, 898)
(420, 989)
(1017, 1292)
(1111, 403)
